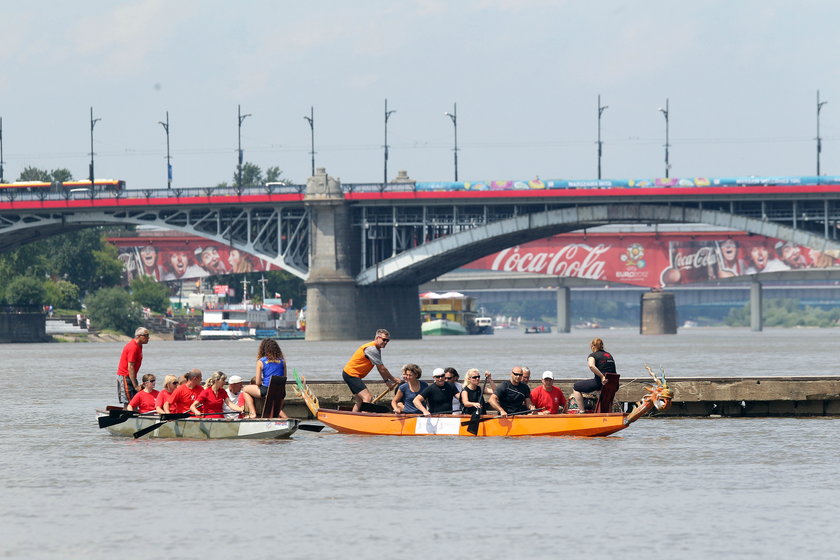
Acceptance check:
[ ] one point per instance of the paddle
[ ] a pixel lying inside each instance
(311, 427)
(502, 417)
(475, 419)
(371, 407)
(119, 416)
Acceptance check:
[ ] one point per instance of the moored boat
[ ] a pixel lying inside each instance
(206, 428)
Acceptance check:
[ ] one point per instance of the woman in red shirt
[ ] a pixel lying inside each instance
(144, 400)
(213, 397)
(170, 383)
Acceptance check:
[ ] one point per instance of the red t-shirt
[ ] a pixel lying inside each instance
(553, 401)
(132, 352)
(182, 398)
(162, 397)
(211, 403)
(143, 401)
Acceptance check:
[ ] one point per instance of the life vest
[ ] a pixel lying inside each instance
(359, 365)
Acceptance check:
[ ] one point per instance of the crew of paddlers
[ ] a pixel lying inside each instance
(446, 394)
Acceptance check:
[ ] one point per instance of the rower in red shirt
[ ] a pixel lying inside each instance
(213, 397)
(185, 394)
(548, 396)
(144, 401)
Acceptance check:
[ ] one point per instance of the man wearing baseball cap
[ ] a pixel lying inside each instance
(234, 391)
(548, 396)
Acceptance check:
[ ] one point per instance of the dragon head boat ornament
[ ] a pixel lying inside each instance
(659, 397)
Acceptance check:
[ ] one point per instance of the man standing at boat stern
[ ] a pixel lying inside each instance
(513, 395)
(360, 364)
(130, 361)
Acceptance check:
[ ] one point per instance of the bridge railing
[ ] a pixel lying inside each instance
(24, 194)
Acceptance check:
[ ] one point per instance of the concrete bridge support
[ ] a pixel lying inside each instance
(338, 309)
(564, 324)
(658, 313)
(756, 320)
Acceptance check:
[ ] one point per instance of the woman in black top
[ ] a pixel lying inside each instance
(600, 363)
(471, 395)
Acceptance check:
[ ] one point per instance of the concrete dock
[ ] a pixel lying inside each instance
(693, 396)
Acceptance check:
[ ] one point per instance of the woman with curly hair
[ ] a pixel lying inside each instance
(270, 363)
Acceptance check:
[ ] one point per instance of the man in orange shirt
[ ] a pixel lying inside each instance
(360, 364)
(130, 361)
(185, 394)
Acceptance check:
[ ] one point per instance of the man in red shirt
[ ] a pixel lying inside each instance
(130, 360)
(548, 396)
(185, 394)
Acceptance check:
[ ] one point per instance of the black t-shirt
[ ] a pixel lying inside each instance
(474, 395)
(512, 397)
(603, 361)
(439, 399)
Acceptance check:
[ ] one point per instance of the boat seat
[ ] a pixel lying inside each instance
(274, 397)
(608, 391)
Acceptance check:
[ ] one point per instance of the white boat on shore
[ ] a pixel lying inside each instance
(205, 428)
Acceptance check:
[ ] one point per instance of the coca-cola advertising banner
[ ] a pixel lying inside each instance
(182, 258)
(655, 260)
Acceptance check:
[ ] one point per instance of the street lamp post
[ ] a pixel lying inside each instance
(387, 116)
(601, 109)
(311, 120)
(165, 126)
(666, 112)
(92, 124)
(241, 118)
(819, 138)
(454, 116)
(1, 151)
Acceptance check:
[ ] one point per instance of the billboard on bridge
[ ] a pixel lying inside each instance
(177, 257)
(655, 260)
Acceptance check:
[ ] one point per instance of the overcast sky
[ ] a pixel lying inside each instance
(741, 77)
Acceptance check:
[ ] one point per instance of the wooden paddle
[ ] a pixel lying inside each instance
(475, 419)
(371, 407)
(311, 427)
(119, 416)
(500, 417)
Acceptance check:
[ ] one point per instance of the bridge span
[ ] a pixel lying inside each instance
(363, 250)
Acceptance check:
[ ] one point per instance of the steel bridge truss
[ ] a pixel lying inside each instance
(279, 235)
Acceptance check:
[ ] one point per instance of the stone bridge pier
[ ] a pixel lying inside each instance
(337, 308)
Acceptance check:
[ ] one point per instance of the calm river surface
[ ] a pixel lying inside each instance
(681, 488)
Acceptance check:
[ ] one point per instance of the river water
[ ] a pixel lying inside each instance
(687, 487)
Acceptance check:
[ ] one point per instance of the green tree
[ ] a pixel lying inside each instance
(35, 174)
(62, 294)
(272, 175)
(149, 293)
(25, 291)
(112, 308)
(84, 258)
(251, 175)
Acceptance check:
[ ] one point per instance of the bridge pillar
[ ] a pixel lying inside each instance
(756, 320)
(659, 313)
(338, 309)
(563, 309)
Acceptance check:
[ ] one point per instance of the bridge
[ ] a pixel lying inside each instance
(363, 249)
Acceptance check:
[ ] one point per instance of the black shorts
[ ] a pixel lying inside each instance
(355, 383)
(588, 385)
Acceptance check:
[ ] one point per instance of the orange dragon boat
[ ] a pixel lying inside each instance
(658, 397)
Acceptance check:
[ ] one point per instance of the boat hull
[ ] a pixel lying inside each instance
(442, 327)
(584, 425)
(207, 428)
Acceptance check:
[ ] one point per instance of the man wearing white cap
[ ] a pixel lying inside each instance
(548, 396)
(235, 393)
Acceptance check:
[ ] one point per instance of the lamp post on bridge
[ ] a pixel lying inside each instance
(165, 126)
(454, 116)
(387, 116)
(92, 124)
(666, 112)
(241, 118)
(1, 151)
(819, 138)
(601, 109)
(311, 120)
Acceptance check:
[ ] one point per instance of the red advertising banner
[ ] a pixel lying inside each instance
(167, 258)
(657, 259)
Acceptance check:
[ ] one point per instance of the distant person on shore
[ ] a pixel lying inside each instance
(548, 396)
(170, 383)
(403, 401)
(130, 361)
(451, 376)
(512, 395)
(436, 398)
(600, 362)
(270, 363)
(361, 362)
(183, 397)
(213, 398)
(144, 400)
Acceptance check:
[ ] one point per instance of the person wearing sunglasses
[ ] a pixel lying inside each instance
(170, 383)
(361, 362)
(144, 400)
(513, 395)
(437, 397)
(549, 397)
(451, 376)
(129, 365)
(471, 395)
